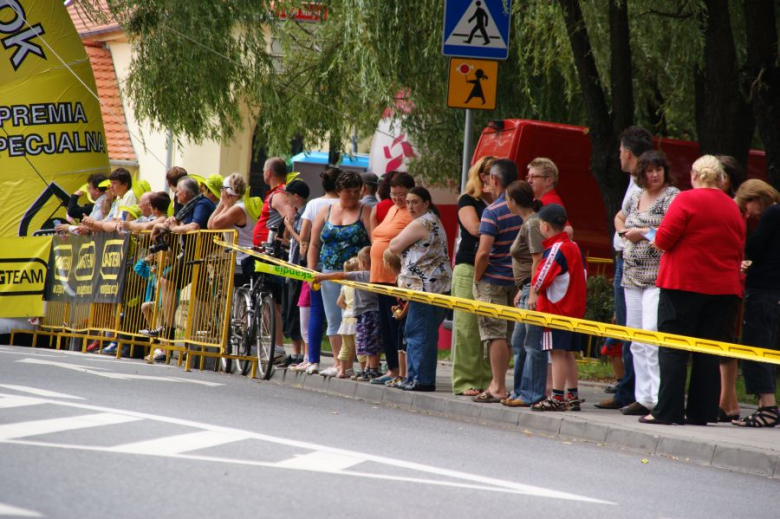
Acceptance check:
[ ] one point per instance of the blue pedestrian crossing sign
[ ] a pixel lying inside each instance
(476, 28)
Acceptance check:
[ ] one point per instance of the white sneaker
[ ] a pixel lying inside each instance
(279, 354)
(313, 369)
(299, 367)
(329, 372)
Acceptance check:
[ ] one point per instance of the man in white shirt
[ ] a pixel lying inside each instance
(634, 141)
(121, 187)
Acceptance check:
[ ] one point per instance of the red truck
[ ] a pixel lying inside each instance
(569, 147)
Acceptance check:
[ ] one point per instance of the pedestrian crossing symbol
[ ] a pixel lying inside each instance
(473, 84)
(476, 28)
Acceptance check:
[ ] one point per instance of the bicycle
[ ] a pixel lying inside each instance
(253, 322)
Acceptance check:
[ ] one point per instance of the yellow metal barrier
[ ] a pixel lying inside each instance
(624, 333)
(201, 281)
(191, 288)
(600, 264)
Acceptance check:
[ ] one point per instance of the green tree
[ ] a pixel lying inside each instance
(588, 62)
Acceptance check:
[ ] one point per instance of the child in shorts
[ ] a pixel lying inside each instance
(560, 281)
(348, 328)
(366, 311)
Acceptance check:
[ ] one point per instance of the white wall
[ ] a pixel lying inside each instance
(150, 146)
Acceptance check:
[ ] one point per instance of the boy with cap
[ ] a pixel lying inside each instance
(297, 192)
(560, 282)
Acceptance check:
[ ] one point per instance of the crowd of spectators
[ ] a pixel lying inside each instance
(683, 263)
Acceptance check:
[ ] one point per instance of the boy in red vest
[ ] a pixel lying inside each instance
(560, 282)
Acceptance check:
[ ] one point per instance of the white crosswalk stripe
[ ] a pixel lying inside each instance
(17, 512)
(18, 401)
(321, 461)
(170, 445)
(53, 425)
(40, 392)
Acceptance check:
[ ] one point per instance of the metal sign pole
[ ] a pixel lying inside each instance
(468, 148)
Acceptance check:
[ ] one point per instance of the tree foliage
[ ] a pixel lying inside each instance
(197, 64)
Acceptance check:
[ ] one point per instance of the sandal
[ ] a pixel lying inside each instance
(765, 417)
(394, 382)
(515, 402)
(487, 398)
(472, 391)
(573, 404)
(726, 418)
(551, 404)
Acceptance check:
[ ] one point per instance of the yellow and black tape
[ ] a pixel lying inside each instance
(623, 333)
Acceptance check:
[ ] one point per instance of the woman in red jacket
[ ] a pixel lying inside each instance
(703, 239)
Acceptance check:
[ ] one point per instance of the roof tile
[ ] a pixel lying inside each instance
(87, 27)
(120, 146)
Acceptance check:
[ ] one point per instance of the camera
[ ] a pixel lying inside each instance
(158, 246)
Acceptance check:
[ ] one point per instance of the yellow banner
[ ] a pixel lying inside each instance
(23, 275)
(51, 130)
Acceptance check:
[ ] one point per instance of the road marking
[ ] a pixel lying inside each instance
(64, 365)
(467, 480)
(26, 351)
(179, 444)
(17, 512)
(104, 372)
(53, 425)
(18, 401)
(319, 461)
(40, 392)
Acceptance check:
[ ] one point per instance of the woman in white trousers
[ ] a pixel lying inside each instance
(636, 223)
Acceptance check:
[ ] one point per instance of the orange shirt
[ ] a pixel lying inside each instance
(395, 221)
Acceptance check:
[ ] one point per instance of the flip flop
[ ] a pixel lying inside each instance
(472, 392)
(486, 398)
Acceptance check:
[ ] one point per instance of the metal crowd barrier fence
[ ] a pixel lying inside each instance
(624, 333)
(186, 289)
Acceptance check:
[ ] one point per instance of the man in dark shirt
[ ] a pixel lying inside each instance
(193, 220)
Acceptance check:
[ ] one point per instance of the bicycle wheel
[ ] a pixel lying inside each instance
(234, 334)
(243, 329)
(266, 330)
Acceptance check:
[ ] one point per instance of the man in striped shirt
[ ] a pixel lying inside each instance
(493, 279)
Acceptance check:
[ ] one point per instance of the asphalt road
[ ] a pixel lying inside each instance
(86, 436)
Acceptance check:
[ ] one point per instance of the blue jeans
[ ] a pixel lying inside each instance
(530, 360)
(625, 387)
(518, 340)
(422, 341)
(330, 294)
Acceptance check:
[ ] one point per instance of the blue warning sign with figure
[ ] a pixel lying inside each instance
(477, 28)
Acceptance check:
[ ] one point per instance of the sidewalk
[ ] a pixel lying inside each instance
(754, 451)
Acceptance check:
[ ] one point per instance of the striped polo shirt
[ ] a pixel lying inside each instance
(499, 222)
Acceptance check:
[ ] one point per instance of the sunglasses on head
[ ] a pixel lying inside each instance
(485, 162)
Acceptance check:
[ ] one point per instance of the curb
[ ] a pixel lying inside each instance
(707, 453)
